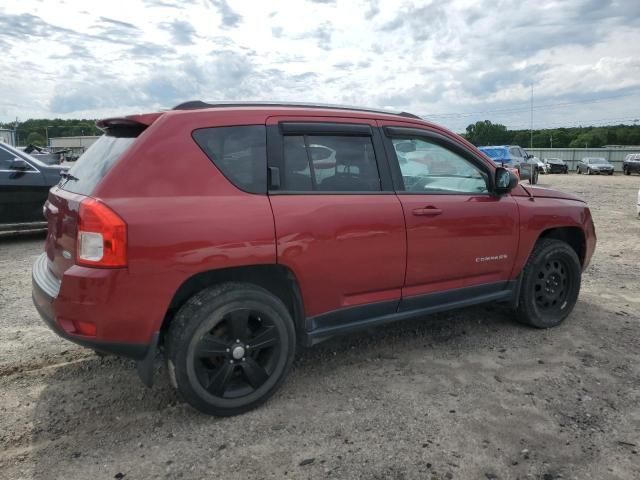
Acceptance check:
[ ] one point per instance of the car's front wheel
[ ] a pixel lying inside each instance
(230, 347)
(550, 284)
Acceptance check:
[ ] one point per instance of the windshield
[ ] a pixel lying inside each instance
(94, 164)
(596, 161)
(554, 160)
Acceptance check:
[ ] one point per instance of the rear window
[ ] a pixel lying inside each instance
(240, 153)
(499, 154)
(94, 164)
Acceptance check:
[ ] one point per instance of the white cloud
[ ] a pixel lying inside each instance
(455, 62)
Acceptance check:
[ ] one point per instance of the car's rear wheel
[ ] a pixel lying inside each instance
(579, 171)
(588, 171)
(230, 347)
(534, 176)
(550, 284)
(626, 171)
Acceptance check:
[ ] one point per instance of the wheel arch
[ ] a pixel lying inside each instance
(275, 278)
(573, 236)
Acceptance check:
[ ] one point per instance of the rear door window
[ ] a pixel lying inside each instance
(330, 163)
(94, 164)
(240, 153)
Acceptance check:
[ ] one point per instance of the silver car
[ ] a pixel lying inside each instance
(595, 165)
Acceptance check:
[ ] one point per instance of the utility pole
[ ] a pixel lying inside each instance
(531, 126)
(551, 139)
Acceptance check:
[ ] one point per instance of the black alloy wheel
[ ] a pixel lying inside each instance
(230, 347)
(238, 355)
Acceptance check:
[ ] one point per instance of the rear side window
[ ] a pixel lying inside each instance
(6, 158)
(323, 163)
(240, 153)
(94, 164)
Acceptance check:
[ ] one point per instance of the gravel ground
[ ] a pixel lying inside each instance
(467, 394)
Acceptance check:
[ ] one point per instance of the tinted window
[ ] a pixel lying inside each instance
(6, 158)
(239, 152)
(515, 152)
(94, 164)
(430, 168)
(330, 164)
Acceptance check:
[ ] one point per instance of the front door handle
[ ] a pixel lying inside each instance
(430, 210)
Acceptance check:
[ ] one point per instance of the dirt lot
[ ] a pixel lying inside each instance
(468, 394)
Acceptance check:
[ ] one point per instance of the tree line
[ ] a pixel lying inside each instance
(36, 131)
(487, 133)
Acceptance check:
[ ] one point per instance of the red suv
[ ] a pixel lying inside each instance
(227, 235)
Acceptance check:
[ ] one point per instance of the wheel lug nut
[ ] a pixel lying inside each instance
(243, 359)
(231, 362)
(247, 346)
(237, 341)
(228, 350)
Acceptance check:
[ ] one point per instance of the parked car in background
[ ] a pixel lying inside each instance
(24, 186)
(595, 165)
(631, 164)
(230, 259)
(513, 156)
(44, 155)
(556, 165)
(540, 165)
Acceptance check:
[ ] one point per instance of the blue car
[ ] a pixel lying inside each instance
(515, 157)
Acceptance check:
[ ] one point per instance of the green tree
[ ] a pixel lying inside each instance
(34, 138)
(487, 133)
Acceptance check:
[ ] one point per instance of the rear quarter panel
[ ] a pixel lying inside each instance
(183, 218)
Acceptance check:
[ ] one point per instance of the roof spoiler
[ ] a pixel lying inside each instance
(129, 123)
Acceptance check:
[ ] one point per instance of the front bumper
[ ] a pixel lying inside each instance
(45, 289)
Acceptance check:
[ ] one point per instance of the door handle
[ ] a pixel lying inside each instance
(430, 210)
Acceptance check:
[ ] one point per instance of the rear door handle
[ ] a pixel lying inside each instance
(430, 210)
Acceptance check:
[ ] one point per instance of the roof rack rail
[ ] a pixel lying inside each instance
(199, 104)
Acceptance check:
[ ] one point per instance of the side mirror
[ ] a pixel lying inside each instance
(528, 155)
(505, 181)
(19, 164)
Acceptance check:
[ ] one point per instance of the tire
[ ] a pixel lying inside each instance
(534, 177)
(579, 171)
(210, 338)
(550, 284)
(610, 173)
(588, 171)
(626, 171)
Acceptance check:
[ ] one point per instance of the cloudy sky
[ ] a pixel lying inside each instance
(454, 62)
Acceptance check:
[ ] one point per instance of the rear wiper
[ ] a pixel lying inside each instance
(68, 176)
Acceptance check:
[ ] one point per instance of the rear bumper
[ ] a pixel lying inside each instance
(45, 290)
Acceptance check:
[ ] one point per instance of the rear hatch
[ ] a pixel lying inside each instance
(62, 207)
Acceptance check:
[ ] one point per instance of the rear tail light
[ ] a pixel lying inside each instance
(102, 236)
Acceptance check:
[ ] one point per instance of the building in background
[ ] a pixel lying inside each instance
(8, 136)
(75, 146)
